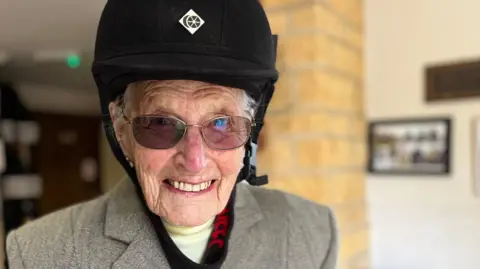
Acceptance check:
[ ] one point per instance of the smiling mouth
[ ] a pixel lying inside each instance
(183, 186)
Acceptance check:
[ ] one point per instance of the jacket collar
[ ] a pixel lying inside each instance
(127, 222)
(125, 218)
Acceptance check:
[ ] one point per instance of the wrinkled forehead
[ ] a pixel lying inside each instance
(181, 95)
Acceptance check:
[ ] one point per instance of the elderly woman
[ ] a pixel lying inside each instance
(184, 87)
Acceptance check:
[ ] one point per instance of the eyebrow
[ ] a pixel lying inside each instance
(163, 110)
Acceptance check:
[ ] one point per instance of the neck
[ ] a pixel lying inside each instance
(187, 230)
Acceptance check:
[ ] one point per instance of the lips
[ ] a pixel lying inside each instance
(189, 187)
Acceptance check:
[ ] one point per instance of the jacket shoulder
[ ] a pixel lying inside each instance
(313, 222)
(271, 200)
(48, 242)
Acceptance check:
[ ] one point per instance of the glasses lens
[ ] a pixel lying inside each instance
(157, 132)
(227, 132)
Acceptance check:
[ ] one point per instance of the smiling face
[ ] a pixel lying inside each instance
(189, 183)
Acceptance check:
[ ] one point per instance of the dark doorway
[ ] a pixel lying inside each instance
(67, 159)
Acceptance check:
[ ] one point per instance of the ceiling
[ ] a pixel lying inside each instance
(29, 28)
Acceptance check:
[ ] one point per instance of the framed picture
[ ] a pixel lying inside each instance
(410, 146)
(476, 155)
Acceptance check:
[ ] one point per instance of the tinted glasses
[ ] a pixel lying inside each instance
(164, 132)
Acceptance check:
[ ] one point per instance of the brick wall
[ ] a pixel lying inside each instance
(315, 128)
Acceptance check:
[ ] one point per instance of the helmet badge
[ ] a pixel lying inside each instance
(191, 21)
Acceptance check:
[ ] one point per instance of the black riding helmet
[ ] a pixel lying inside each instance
(225, 42)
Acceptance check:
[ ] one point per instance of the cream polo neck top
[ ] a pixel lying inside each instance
(192, 241)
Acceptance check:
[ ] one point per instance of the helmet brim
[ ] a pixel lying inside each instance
(118, 72)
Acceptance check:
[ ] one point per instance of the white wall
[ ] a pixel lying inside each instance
(418, 222)
(58, 100)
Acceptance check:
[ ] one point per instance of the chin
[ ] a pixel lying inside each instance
(179, 201)
(188, 218)
(190, 215)
(187, 208)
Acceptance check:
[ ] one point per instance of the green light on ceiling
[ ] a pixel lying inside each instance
(73, 61)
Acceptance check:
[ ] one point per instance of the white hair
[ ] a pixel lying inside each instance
(249, 105)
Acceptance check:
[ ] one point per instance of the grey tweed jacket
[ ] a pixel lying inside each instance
(272, 230)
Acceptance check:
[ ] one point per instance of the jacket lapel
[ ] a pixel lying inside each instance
(126, 222)
(249, 244)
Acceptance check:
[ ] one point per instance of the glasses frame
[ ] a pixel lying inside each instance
(201, 126)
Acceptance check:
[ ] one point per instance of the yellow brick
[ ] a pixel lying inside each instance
(347, 95)
(350, 10)
(336, 191)
(351, 215)
(357, 69)
(309, 188)
(304, 123)
(331, 158)
(281, 97)
(349, 187)
(261, 167)
(307, 48)
(361, 261)
(323, 89)
(278, 124)
(314, 16)
(281, 62)
(346, 59)
(358, 153)
(313, 153)
(358, 98)
(277, 154)
(340, 125)
(324, 123)
(340, 152)
(267, 4)
(353, 244)
(318, 189)
(353, 99)
(315, 87)
(279, 182)
(356, 127)
(351, 35)
(323, 152)
(278, 22)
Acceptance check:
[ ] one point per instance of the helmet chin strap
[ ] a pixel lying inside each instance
(249, 171)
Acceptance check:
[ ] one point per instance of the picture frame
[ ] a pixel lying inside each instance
(410, 146)
(476, 155)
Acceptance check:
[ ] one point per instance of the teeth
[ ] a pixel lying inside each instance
(190, 187)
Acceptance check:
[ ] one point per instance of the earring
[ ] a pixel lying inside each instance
(129, 162)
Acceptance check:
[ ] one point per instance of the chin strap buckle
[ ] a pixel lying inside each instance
(249, 172)
(253, 180)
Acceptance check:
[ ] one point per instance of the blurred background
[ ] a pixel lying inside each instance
(351, 70)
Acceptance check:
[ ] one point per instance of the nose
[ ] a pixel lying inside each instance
(193, 151)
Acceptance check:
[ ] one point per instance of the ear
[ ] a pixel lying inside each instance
(118, 125)
(112, 108)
